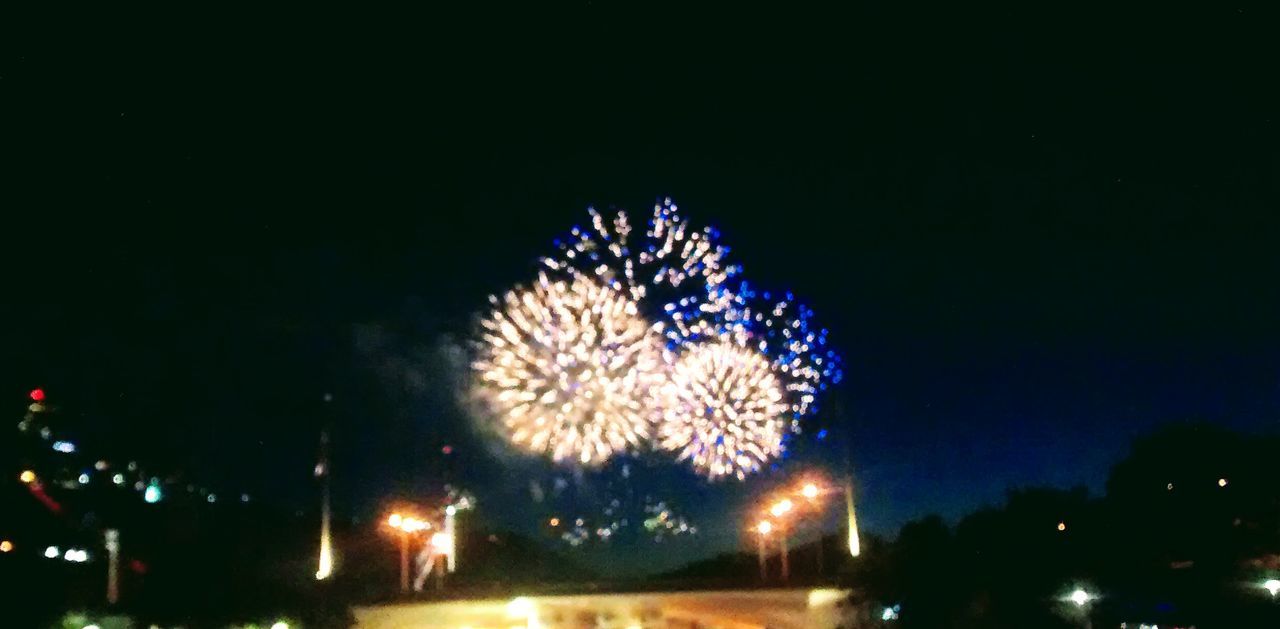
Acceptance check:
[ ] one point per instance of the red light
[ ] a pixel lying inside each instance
(37, 394)
(447, 449)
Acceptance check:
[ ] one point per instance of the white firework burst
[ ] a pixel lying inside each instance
(725, 409)
(571, 369)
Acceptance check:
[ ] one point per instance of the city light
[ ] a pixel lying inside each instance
(441, 542)
(555, 522)
(118, 479)
(810, 491)
(84, 479)
(65, 447)
(152, 494)
(450, 510)
(781, 507)
(1222, 482)
(764, 527)
(280, 624)
(27, 476)
(6, 546)
(1272, 586)
(395, 520)
(52, 552)
(1080, 597)
(1062, 526)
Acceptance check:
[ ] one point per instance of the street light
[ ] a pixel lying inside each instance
(781, 507)
(762, 531)
(810, 491)
(1080, 597)
(405, 525)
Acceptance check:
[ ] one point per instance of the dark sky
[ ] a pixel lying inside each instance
(1033, 234)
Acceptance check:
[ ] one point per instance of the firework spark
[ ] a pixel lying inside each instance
(681, 264)
(571, 369)
(726, 409)
(783, 331)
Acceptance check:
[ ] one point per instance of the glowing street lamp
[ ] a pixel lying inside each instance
(810, 491)
(406, 526)
(1080, 597)
(781, 507)
(762, 531)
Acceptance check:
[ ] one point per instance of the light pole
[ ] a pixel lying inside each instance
(779, 509)
(762, 531)
(405, 526)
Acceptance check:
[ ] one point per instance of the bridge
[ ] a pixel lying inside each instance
(823, 608)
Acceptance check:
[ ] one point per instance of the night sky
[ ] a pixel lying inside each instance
(1034, 236)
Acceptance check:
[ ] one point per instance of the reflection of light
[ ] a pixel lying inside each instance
(6, 546)
(52, 552)
(27, 476)
(1272, 586)
(519, 607)
(824, 596)
(1080, 597)
(764, 527)
(441, 541)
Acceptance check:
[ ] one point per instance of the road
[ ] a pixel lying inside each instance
(747, 609)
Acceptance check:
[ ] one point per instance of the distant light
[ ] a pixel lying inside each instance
(27, 476)
(6, 546)
(152, 494)
(133, 466)
(118, 479)
(212, 498)
(450, 510)
(441, 542)
(889, 613)
(764, 527)
(1062, 526)
(280, 624)
(91, 627)
(37, 394)
(52, 552)
(1272, 586)
(100, 465)
(447, 450)
(84, 479)
(65, 447)
(1169, 487)
(781, 507)
(1080, 597)
(810, 491)
(1222, 482)
(244, 497)
(139, 486)
(394, 520)
(555, 521)
(77, 555)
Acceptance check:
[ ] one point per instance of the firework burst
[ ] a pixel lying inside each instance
(669, 264)
(725, 409)
(571, 369)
